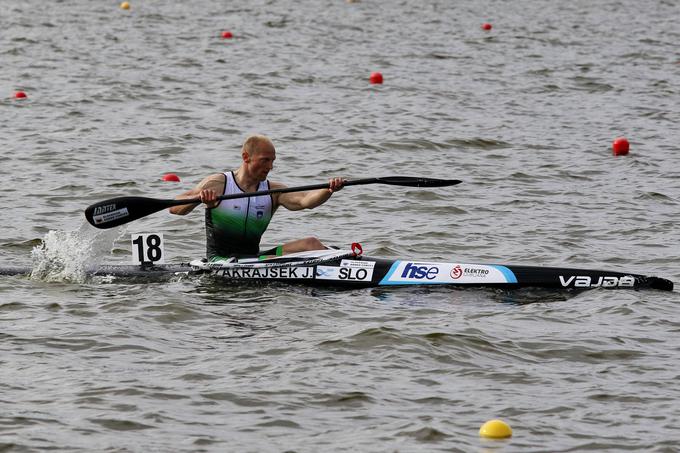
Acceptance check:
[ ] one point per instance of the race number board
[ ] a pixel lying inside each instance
(147, 248)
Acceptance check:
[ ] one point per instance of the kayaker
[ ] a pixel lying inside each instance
(235, 227)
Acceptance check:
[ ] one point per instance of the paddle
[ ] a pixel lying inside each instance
(118, 211)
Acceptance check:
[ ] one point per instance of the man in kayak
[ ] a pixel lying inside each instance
(235, 227)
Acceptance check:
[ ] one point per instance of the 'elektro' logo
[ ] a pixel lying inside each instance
(420, 272)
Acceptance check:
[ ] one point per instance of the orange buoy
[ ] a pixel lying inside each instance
(171, 177)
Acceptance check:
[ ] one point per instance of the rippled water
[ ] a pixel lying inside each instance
(523, 114)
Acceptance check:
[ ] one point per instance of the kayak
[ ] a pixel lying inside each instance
(347, 269)
(338, 268)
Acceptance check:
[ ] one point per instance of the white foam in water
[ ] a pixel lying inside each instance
(65, 256)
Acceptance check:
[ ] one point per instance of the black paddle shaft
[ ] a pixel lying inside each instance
(118, 211)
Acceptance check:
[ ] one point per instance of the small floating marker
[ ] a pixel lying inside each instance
(486, 26)
(376, 78)
(227, 35)
(495, 429)
(125, 5)
(620, 147)
(171, 177)
(20, 95)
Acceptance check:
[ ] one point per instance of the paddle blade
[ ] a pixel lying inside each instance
(410, 181)
(118, 211)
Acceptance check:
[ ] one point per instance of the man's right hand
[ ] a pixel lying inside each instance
(208, 197)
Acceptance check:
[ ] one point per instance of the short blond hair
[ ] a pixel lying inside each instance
(253, 143)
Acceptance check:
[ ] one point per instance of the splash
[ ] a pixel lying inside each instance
(65, 256)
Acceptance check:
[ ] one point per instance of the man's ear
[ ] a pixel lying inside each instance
(245, 157)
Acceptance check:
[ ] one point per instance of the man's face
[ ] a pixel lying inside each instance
(261, 162)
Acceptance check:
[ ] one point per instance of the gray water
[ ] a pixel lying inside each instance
(524, 114)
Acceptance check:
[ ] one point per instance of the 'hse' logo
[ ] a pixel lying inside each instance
(420, 272)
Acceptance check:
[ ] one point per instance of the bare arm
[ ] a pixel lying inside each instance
(295, 201)
(206, 190)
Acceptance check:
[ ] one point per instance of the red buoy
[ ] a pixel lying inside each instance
(486, 26)
(227, 35)
(376, 78)
(620, 147)
(171, 177)
(20, 95)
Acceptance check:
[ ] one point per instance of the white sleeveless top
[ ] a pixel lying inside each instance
(234, 227)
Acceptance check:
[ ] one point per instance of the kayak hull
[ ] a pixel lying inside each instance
(363, 272)
(344, 270)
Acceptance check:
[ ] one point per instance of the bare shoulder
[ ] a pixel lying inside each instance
(214, 181)
(276, 197)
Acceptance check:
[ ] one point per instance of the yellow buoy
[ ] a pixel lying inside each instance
(125, 5)
(495, 429)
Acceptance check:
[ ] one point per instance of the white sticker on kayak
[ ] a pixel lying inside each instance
(413, 272)
(353, 274)
(357, 264)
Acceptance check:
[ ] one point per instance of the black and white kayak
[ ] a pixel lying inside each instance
(347, 269)
(343, 268)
